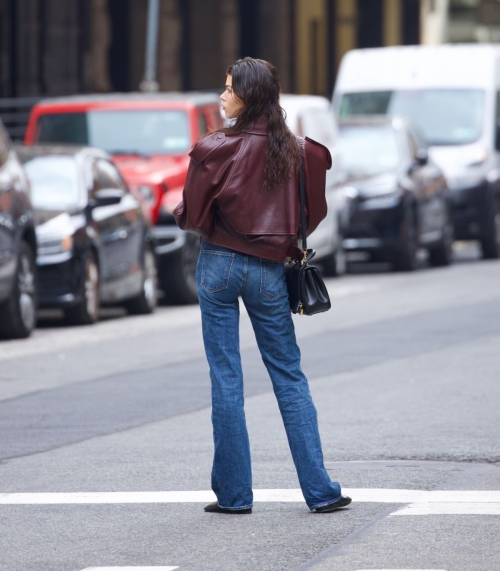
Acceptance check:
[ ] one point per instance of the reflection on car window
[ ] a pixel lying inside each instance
(368, 150)
(444, 116)
(123, 131)
(54, 183)
(97, 181)
(109, 176)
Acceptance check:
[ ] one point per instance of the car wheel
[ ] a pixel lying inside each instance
(178, 281)
(147, 300)
(442, 254)
(405, 258)
(86, 312)
(335, 264)
(18, 312)
(490, 243)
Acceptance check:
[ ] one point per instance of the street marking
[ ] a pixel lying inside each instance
(399, 570)
(371, 495)
(459, 508)
(130, 568)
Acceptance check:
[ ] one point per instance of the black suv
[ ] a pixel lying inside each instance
(17, 247)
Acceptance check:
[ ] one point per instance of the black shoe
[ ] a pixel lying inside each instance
(342, 502)
(217, 509)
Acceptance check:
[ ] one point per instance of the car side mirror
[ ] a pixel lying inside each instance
(106, 197)
(422, 157)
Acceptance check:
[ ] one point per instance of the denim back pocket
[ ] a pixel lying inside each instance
(215, 269)
(272, 278)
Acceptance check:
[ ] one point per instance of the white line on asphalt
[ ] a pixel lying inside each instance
(401, 570)
(130, 568)
(388, 496)
(459, 508)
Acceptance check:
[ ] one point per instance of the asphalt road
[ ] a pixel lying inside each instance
(102, 427)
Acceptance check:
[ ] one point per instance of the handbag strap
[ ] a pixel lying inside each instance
(302, 197)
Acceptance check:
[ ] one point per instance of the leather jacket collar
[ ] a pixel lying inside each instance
(259, 127)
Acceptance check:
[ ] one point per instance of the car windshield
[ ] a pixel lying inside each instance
(143, 132)
(54, 182)
(444, 116)
(368, 150)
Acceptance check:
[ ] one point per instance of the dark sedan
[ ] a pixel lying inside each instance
(94, 244)
(399, 199)
(17, 246)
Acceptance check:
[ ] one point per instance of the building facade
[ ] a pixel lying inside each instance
(61, 47)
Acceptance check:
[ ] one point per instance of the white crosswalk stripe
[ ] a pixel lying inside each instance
(371, 495)
(450, 508)
(130, 568)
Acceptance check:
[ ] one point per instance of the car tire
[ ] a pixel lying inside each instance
(490, 242)
(405, 258)
(335, 265)
(18, 312)
(86, 312)
(442, 253)
(178, 280)
(146, 301)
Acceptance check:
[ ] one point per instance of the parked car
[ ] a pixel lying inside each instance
(399, 199)
(94, 243)
(149, 137)
(18, 296)
(313, 116)
(452, 94)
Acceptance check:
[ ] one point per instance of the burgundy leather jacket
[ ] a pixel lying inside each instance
(225, 203)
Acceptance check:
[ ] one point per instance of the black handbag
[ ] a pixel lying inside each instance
(306, 290)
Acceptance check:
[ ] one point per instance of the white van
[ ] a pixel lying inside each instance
(451, 93)
(313, 116)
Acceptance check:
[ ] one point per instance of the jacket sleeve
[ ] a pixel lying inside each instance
(203, 184)
(317, 160)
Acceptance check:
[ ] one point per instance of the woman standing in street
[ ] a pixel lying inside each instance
(241, 198)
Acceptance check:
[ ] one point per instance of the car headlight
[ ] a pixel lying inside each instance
(50, 245)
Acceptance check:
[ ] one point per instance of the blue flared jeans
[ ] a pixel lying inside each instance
(222, 276)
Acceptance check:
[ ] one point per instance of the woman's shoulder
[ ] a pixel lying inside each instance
(311, 147)
(206, 146)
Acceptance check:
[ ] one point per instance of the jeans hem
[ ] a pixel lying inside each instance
(236, 509)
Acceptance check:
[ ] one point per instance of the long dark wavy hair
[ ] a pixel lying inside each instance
(257, 84)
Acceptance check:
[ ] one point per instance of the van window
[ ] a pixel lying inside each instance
(444, 116)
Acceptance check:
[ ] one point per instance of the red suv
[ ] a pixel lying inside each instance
(149, 137)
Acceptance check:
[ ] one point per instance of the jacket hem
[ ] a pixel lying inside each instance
(239, 245)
